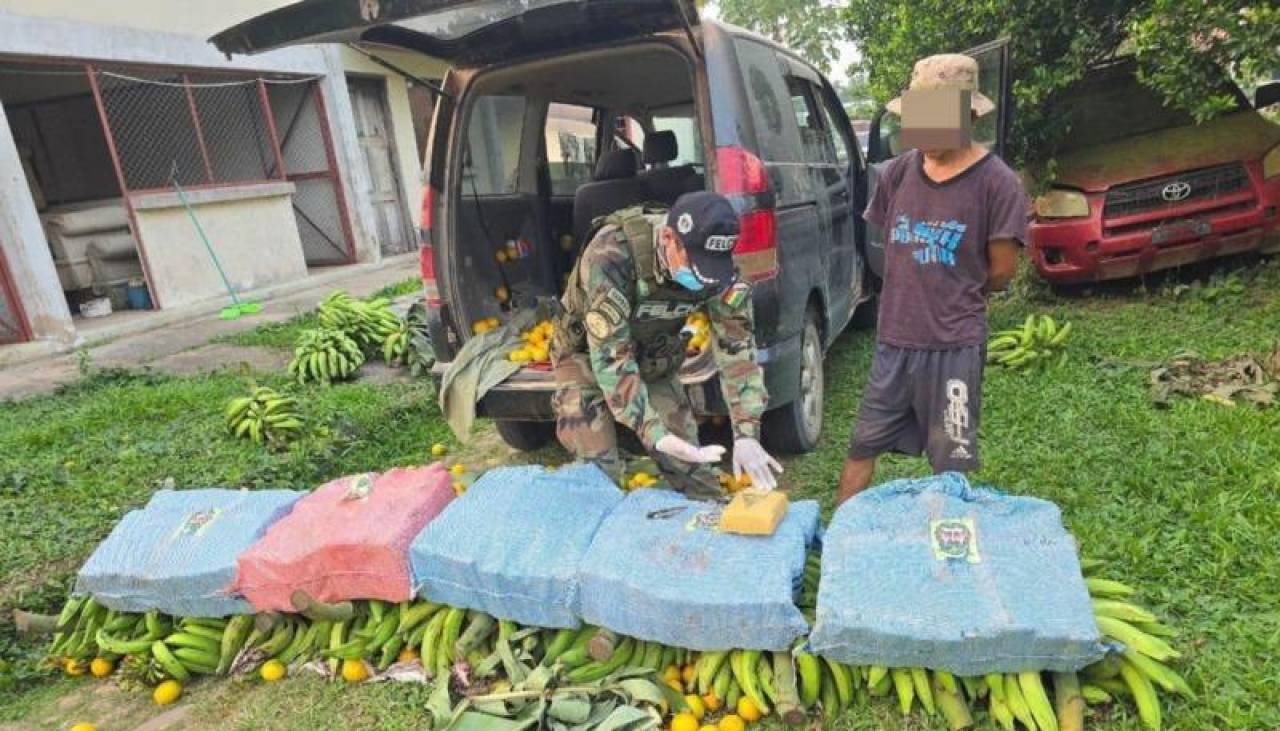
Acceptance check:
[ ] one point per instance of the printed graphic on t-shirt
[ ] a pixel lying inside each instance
(935, 242)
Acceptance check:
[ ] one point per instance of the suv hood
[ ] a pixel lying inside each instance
(1240, 136)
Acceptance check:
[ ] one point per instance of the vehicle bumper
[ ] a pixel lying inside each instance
(1071, 251)
(526, 396)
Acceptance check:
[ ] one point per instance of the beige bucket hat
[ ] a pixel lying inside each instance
(947, 70)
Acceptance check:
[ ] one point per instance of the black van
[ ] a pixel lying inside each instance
(559, 111)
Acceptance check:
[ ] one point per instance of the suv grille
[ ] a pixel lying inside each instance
(1155, 194)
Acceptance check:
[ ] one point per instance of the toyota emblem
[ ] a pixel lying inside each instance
(1174, 192)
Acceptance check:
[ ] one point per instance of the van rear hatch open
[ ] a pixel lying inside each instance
(464, 32)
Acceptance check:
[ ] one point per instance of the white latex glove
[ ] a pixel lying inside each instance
(750, 457)
(673, 446)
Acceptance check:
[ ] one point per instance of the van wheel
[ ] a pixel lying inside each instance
(795, 428)
(527, 436)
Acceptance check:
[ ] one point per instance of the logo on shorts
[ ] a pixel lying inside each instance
(955, 538)
(197, 523)
(956, 417)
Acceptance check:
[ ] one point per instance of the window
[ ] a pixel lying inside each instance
(571, 146)
(836, 132)
(767, 94)
(815, 138)
(491, 163)
(681, 120)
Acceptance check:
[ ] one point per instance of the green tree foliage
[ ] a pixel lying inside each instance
(810, 27)
(1181, 44)
(1054, 43)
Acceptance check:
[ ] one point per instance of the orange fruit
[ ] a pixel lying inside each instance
(731, 723)
(684, 722)
(101, 667)
(749, 711)
(355, 671)
(712, 702)
(408, 654)
(167, 692)
(73, 667)
(273, 670)
(688, 673)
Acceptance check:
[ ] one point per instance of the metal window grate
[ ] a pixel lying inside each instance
(1150, 195)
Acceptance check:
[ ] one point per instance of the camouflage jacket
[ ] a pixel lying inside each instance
(630, 327)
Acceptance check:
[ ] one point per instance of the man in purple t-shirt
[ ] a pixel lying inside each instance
(954, 217)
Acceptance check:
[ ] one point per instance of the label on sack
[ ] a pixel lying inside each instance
(955, 538)
(199, 522)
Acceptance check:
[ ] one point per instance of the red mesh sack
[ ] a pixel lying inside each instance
(347, 540)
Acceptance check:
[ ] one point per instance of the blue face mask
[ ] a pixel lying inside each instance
(685, 277)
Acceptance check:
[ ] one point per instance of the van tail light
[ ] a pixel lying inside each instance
(742, 175)
(740, 172)
(426, 251)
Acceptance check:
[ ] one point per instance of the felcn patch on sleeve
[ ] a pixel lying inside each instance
(736, 294)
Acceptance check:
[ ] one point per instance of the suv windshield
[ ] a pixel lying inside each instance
(1111, 104)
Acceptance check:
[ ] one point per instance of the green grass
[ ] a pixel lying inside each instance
(1181, 502)
(283, 335)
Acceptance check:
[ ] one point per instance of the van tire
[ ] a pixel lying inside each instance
(795, 428)
(527, 436)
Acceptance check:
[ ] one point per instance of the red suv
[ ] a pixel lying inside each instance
(1142, 187)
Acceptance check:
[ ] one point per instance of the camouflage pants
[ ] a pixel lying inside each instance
(586, 427)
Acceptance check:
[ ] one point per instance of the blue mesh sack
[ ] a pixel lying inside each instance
(178, 554)
(511, 545)
(660, 570)
(935, 573)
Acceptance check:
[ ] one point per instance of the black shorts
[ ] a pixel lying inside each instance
(922, 402)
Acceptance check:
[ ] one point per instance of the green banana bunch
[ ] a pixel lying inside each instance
(264, 416)
(367, 323)
(1039, 339)
(1141, 669)
(395, 346)
(325, 355)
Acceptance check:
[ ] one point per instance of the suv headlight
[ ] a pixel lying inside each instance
(1271, 163)
(1060, 203)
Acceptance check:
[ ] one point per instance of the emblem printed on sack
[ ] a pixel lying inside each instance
(359, 489)
(704, 520)
(955, 538)
(196, 523)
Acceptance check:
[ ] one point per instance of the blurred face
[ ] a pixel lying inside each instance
(936, 121)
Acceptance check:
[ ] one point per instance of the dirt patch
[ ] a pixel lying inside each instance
(216, 357)
(172, 718)
(380, 374)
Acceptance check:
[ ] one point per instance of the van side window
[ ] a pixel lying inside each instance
(775, 120)
(815, 139)
(491, 159)
(842, 145)
(571, 146)
(681, 120)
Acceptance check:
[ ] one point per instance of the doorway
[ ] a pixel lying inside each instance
(378, 154)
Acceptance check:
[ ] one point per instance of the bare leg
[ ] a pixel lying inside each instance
(855, 477)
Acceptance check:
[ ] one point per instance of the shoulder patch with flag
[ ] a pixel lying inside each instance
(736, 295)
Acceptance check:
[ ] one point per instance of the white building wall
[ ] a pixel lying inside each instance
(168, 33)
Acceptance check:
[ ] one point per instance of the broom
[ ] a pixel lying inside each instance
(237, 308)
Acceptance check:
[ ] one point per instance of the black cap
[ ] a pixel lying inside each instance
(707, 226)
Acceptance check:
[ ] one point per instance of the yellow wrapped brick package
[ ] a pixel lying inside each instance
(754, 513)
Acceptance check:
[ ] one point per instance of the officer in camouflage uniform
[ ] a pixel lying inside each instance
(619, 343)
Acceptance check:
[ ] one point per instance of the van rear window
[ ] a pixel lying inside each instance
(492, 157)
